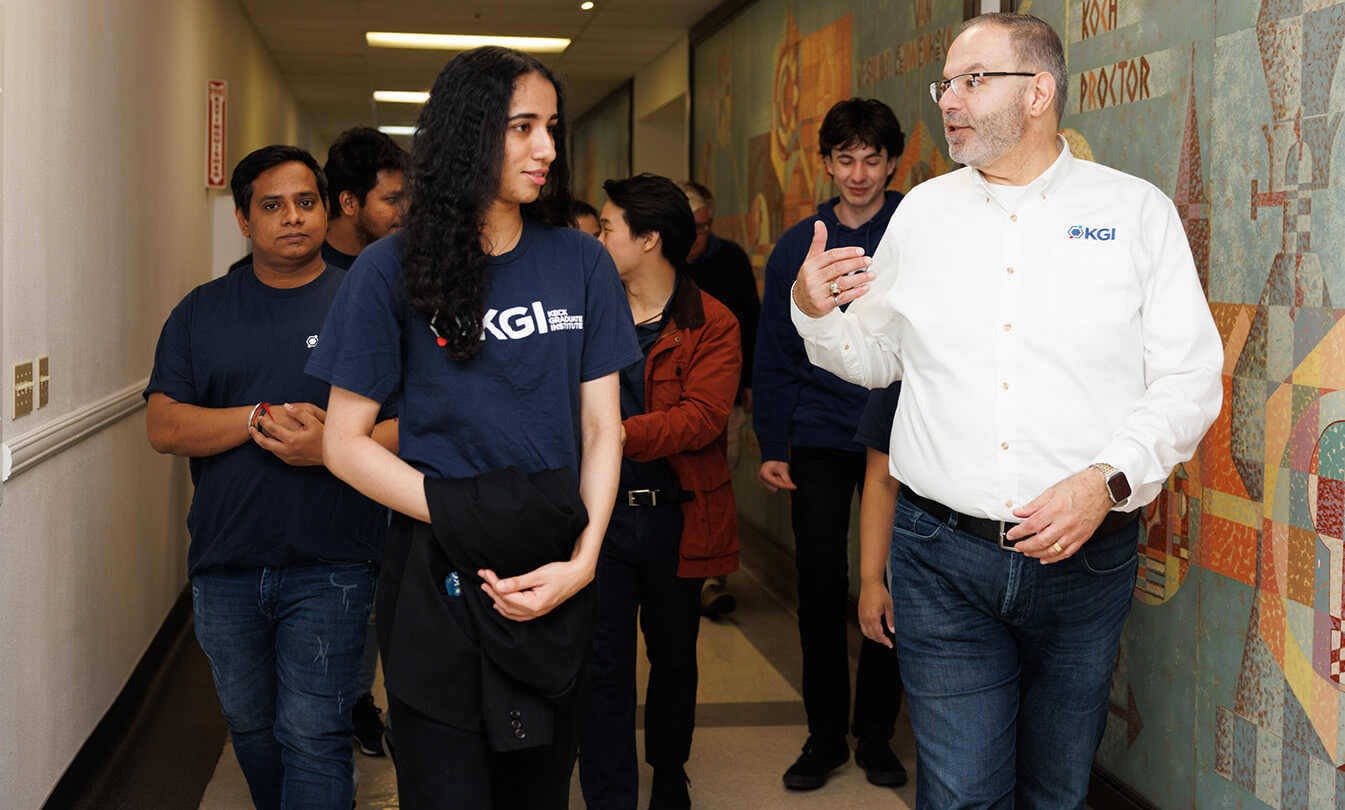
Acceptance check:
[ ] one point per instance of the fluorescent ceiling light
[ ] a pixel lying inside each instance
(462, 42)
(402, 96)
(391, 130)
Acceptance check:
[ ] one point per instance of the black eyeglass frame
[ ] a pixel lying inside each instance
(938, 88)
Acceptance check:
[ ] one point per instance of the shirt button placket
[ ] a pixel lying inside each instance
(1006, 420)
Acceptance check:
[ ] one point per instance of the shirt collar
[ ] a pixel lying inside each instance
(1046, 183)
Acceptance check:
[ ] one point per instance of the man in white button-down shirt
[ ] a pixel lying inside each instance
(1057, 360)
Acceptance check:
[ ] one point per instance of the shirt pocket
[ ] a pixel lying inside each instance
(1090, 285)
(667, 375)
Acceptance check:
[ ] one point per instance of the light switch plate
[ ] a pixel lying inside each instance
(23, 389)
(43, 381)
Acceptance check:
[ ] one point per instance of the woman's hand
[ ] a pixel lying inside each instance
(536, 593)
(875, 606)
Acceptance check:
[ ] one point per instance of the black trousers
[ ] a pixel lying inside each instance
(820, 513)
(637, 574)
(440, 767)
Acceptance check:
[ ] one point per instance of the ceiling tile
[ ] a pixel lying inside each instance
(319, 47)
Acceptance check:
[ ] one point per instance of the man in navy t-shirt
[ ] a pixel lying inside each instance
(282, 553)
(366, 197)
(877, 507)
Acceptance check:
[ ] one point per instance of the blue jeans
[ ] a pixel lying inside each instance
(369, 661)
(284, 647)
(1007, 662)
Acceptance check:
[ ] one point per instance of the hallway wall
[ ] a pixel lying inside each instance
(106, 225)
(641, 127)
(1229, 690)
(601, 147)
(661, 93)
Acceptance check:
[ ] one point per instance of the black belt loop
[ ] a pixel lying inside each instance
(994, 530)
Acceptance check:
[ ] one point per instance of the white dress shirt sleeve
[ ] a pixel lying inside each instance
(1183, 362)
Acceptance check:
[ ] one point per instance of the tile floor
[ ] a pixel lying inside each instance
(750, 726)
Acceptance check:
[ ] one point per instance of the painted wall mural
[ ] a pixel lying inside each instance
(1229, 689)
(600, 148)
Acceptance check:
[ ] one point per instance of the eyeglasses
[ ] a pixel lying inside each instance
(965, 85)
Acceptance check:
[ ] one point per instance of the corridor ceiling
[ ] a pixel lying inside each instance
(320, 49)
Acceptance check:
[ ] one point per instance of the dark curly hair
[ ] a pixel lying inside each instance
(457, 158)
(353, 162)
(857, 122)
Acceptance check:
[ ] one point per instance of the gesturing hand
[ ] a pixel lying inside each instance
(828, 278)
(1063, 517)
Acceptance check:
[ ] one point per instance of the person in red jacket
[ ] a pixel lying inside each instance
(675, 521)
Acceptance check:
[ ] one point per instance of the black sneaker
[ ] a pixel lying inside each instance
(669, 789)
(880, 765)
(821, 756)
(368, 726)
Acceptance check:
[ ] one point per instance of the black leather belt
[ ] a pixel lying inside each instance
(994, 530)
(653, 497)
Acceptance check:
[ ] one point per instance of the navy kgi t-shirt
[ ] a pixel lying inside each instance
(235, 341)
(556, 316)
(875, 426)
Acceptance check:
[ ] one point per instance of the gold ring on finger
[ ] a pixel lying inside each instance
(1059, 549)
(834, 289)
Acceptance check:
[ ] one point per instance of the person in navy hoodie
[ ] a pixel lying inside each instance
(805, 420)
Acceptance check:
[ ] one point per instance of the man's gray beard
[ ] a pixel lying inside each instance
(961, 155)
(995, 136)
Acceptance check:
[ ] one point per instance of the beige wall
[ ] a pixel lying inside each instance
(661, 129)
(106, 224)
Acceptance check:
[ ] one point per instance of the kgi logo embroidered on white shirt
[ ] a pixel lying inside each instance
(1097, 234)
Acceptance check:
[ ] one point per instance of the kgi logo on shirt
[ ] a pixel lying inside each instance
(1096, 234)
(516, 323)
(312, 341)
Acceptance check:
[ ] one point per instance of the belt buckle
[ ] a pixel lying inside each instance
(633, 500)
(1005, 543)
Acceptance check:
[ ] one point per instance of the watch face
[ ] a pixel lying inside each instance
(1119, 487)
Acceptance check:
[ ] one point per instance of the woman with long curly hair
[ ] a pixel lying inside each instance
(499, 334)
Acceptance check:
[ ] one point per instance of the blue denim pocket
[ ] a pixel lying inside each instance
(1111, 553)
(915, 523)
